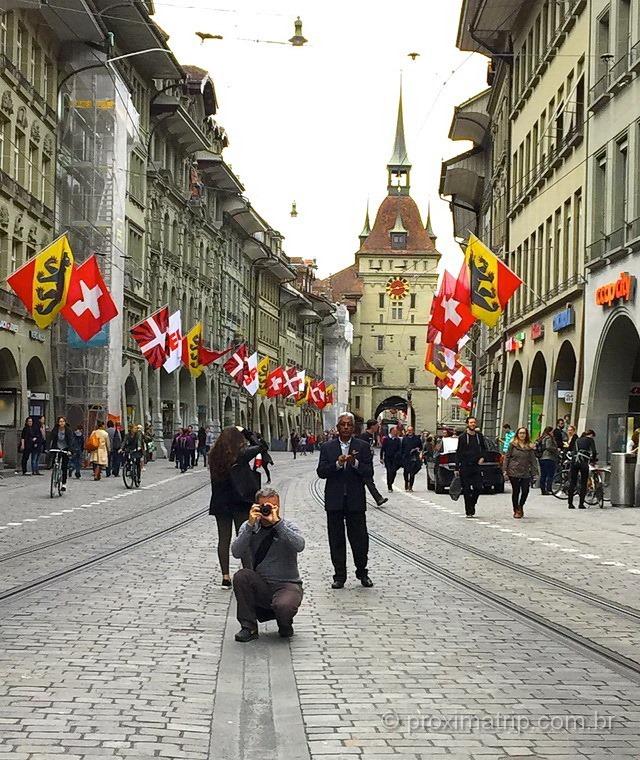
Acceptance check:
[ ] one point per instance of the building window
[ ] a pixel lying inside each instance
(412, 343)
(16, 255)
(380, 342)
(34, 65)
(20, 48)
(379, 376)
(603, 49)
(19, 158)
(412, 376)
(620, 181)
(48, 88)
(381, 300)
(32, 170)
(46, 184)
(398, 241)
(5, 152)
(3, 33)
(357, 402)
(599, 195)
(577, 227)
(396, 312)
(412, 301)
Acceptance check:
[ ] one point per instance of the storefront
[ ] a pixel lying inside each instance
(612, 366)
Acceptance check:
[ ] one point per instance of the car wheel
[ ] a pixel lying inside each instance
(430, 485)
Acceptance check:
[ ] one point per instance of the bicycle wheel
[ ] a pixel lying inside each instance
(54, 479)
(136, 473)
(127, 475)
(560, 485)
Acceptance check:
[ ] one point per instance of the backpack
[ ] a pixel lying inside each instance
(93, 442)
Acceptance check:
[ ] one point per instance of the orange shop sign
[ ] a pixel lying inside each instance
(624, 288)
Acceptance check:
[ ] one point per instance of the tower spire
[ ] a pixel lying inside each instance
(366, 230)
(399, 166)
(428, 226)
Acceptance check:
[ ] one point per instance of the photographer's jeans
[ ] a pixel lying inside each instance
(259, 599)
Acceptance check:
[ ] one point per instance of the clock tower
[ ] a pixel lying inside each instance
(396, 271)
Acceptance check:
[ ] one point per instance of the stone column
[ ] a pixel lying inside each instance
(178, 421)
(194, 403)
(215, 402)
(156, 420)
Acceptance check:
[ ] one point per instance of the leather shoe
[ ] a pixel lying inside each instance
(366, 581)
(244, 635)
(285, 631)
(337, 584)
(382, 501)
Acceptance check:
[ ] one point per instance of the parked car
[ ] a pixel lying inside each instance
(441, 469)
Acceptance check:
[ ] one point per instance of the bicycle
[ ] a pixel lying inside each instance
(597, 486)
(57, 468)
(131, 471)
(560, 484)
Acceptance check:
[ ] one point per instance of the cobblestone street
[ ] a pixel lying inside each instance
(133, 656)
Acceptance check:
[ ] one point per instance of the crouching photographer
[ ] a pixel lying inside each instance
(269, 585)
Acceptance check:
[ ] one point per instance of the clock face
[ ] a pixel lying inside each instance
(397, 288)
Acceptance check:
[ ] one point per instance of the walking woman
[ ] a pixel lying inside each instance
(520, 466)
(549, 458)
(233, 488)
(410, 452)
(99, 454)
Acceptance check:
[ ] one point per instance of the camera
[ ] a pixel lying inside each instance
(266, 509)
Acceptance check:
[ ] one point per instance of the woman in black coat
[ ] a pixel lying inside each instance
(233, 488)
(410, 450)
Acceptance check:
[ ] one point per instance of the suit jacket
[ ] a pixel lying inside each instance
(391, 452)
(408, 444)
(344, 488)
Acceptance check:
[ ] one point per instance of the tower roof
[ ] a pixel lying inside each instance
(399, 157)
(398, 211)
(428, 226)
(366, 230)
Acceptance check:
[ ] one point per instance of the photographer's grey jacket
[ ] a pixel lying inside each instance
(281, 562)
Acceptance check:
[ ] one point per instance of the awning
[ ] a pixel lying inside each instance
(178, 122)
(70, 20)
(217, 171)
(462, 178)
(288, 294)
(471, 120)
(485, 25)
(279, 269)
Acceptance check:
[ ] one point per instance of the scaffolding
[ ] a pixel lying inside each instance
(91, 195)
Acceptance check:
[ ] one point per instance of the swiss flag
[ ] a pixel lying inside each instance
(275, 383)
(235, 365)
(450, 316)
(293, 382)
(151, 336)
(89, 303)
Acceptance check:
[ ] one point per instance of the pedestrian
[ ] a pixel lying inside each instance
(149, 444)
(266, 460)
(345, 464)
(193, 446)
(410, 448)
(173, 451)
(369, 437)
(559, 433)
(391, 455)
(547, 451)
(99, 439)
(470, 452)
(572, 437)
(183, 450)
(520, 465)
(295, 440)
(632, 446)
(209, 441)
(202, 446)
(302, 445)
(233, 488)
(78, 451)
(61, 438)
(507, 437)
(115, 444)
(583, 453)
(29, 442)
(269, 585)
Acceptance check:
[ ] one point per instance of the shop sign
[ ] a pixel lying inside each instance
(623, 289)
(11, 327)
(566, 396)
(513, 344)
(537, 331)
(563, 319)
(38, 335)
(37, 396)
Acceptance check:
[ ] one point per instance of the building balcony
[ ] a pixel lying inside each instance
(615, 245)
(11, 303)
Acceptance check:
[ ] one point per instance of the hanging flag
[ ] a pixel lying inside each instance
(329, 394)
(491, 282)
(263, 373)
(42, 283)
(151, 336)
(275, 383)
(89, 304)
(451, 317)
(250, 379)
(191, 350)
(303, 397)
(439, 360)
(208, 355)
(235, 365)
(173, 348)
(317, 394)
(293, 382)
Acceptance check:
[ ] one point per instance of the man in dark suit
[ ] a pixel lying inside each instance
(346, 463)
(391, 456)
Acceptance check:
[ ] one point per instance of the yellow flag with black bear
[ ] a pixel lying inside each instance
(263, 371)
(191, 350)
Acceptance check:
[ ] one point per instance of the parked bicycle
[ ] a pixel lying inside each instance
(58, 465)
(131, 470)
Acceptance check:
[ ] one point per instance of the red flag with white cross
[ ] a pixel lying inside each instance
(275, 383)
(89, 304)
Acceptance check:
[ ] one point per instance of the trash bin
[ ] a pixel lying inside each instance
(623, 480)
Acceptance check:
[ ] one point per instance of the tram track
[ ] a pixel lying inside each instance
(625, 664)
(96, 529)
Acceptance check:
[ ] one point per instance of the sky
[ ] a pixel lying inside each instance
(316, 124)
